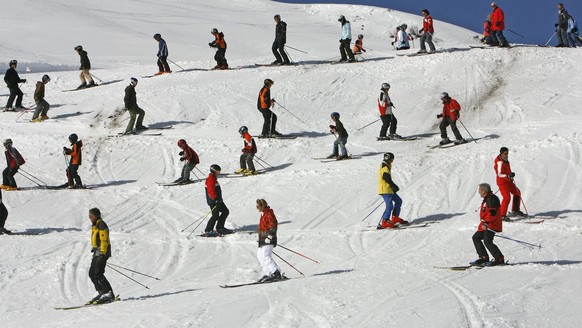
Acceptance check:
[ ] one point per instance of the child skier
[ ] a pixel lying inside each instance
(101, 253)
(13, 162)
(218, 208)
(189, 155)
(401, 38)
(267, 241)
(388, 189)
(490, 224)
(85, 76)
(385, 107)
(341, 138)
(74, 180)
(130, 101)
(220, 44)
(42, 106)
(248, 153)
(359, 45)
(450, 115)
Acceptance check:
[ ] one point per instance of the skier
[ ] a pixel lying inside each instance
(101, 253)
(189, 155)
(278, 47)
(346, 40)
(267, 241)
(12, 79)
(220, 44)
(42, 106)
(562, 26)
(130, 100)
(388, 189)
(572, 35)
(490, 224)
(401, 38)
(3, 217)
(73, 178)
(341, 138)
(385, 107)
(504, 178)
(162, 55)
(497, 26)
(85, 76)
(427, 31)
(359, 45)
(217, 206)
(264, 105)
(13, 162)
(450, 115)
(248, 153)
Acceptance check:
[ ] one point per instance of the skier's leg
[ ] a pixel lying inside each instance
(69, 176)
(504, 190)
(488, 241)
(140, 115)
(397, 205)
(443, 128)
(3, 215)
(250, 163)
(393, 124)
(389, 206)
(213, 218)
(132, 115)
(275, 49)
(223, 215)
(243, 161)
(477, 241)
(385, 125)
(19, 95)
(456, 130)
(516, 197)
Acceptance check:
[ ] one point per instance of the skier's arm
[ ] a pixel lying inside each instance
(498, 166)
(493, 205)
(388, 178)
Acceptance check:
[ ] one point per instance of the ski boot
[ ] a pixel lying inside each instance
(82, 86)
(249, 173)
(460, 141)
(480, 261)
(497, 261)
(105, 298)
(94, 299)
(398, 221)
(445, 141)
(385, 224)
(240, 171)
(36, 120)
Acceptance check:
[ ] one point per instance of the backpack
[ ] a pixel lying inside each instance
(572, 25)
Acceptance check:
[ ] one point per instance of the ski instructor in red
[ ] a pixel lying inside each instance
(506, 185)
(490, 224)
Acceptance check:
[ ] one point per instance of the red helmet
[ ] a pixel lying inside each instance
(182, 143)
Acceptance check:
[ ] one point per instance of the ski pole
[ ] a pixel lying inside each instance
(521, 199)
(182, 68)
(300, 120)
(467, 130)
(289, 56)
(305, 52)
(143, 274)
(374, 210)
(516, 33)
(518, 241)
(550, 39)
(200, 171)
(261, 164)
(128, 277)
(289, 264)
(365, 126)
(202, 217)
(93, 75)
(257, 157)
(292, 251)
(31, 177)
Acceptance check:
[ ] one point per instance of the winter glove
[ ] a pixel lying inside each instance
(511, 175)
(182, 159)
(181, 153)
(93, 250)
(395, 188)
(497, 23)
(439, 115)
(364, 50)
(556, 25)
(392, 43)
(23, 80)
(420, 31)
(390, 104)
(273, 100)
(210, 44)
(341, 40)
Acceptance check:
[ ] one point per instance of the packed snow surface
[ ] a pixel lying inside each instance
(525, 98)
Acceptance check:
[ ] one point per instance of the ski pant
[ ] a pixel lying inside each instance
(265, 257)
(341, 143)
(220, 57)
(15, 93)
(573, 40)
(562, 37)
(388, 121)
(73, 177)
(86, 77)
(132, 114)
(345, 50)
(486, 237)
(498, 38)
(270, 121)
(279, 52)
(188, 167)
(246, 161)
(163, 64)
(8, 177)
(3, 214)
(443, 126)
(393, 204)
(97, 274)
(506, 191)
(42, 108)
(426, 37)
(219, 215)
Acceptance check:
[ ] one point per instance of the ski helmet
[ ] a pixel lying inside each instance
(182, 143)
(157, 36)
(385, 86)
(214, 31)
(215, 168)
(444, 95)
(8, 142)
(13, 62)
(73, 138)
(133, 81)
(46, 78)
(269, 82)
(79, 48)
(360, 36)
(404, 27)
(388, 157)
(342, 18)
(277, 16)
(243, 129)
(335, 115)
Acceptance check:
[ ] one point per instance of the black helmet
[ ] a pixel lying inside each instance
(243, 129)
(335, 115)
(444, 95)
(73, 138)
(388, 157)
(79, 48)
(214, 31)
(157, 36)
(7, 142)
(404, 27)
(13, 62)
(385, 86)
(215, 168)
(269, 81)
(46, 78)
(360, 36)
(133, 81)
(277, 16)
(342, 18)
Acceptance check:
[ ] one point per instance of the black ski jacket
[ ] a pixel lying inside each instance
(85, 63)
(12, 79)
(281, 32)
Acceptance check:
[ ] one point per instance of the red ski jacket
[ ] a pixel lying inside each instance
(13, 158)
(452, 109)
(490, 213)
(190, 155)
(268, 226)
(249, 144)
(497, 20)
(213, 190)
(427, 24)
(502, 170)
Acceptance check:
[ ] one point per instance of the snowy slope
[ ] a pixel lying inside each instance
(524, 98)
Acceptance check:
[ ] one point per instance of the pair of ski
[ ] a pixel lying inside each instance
(283, 136)
(283, 278)
(66, 186)
(447, 145)
(334, 159)
(214, 234)
(116, 299)
(143, 132)
(470, 266)
(397, 139)
(529, 219)
(170, 184)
